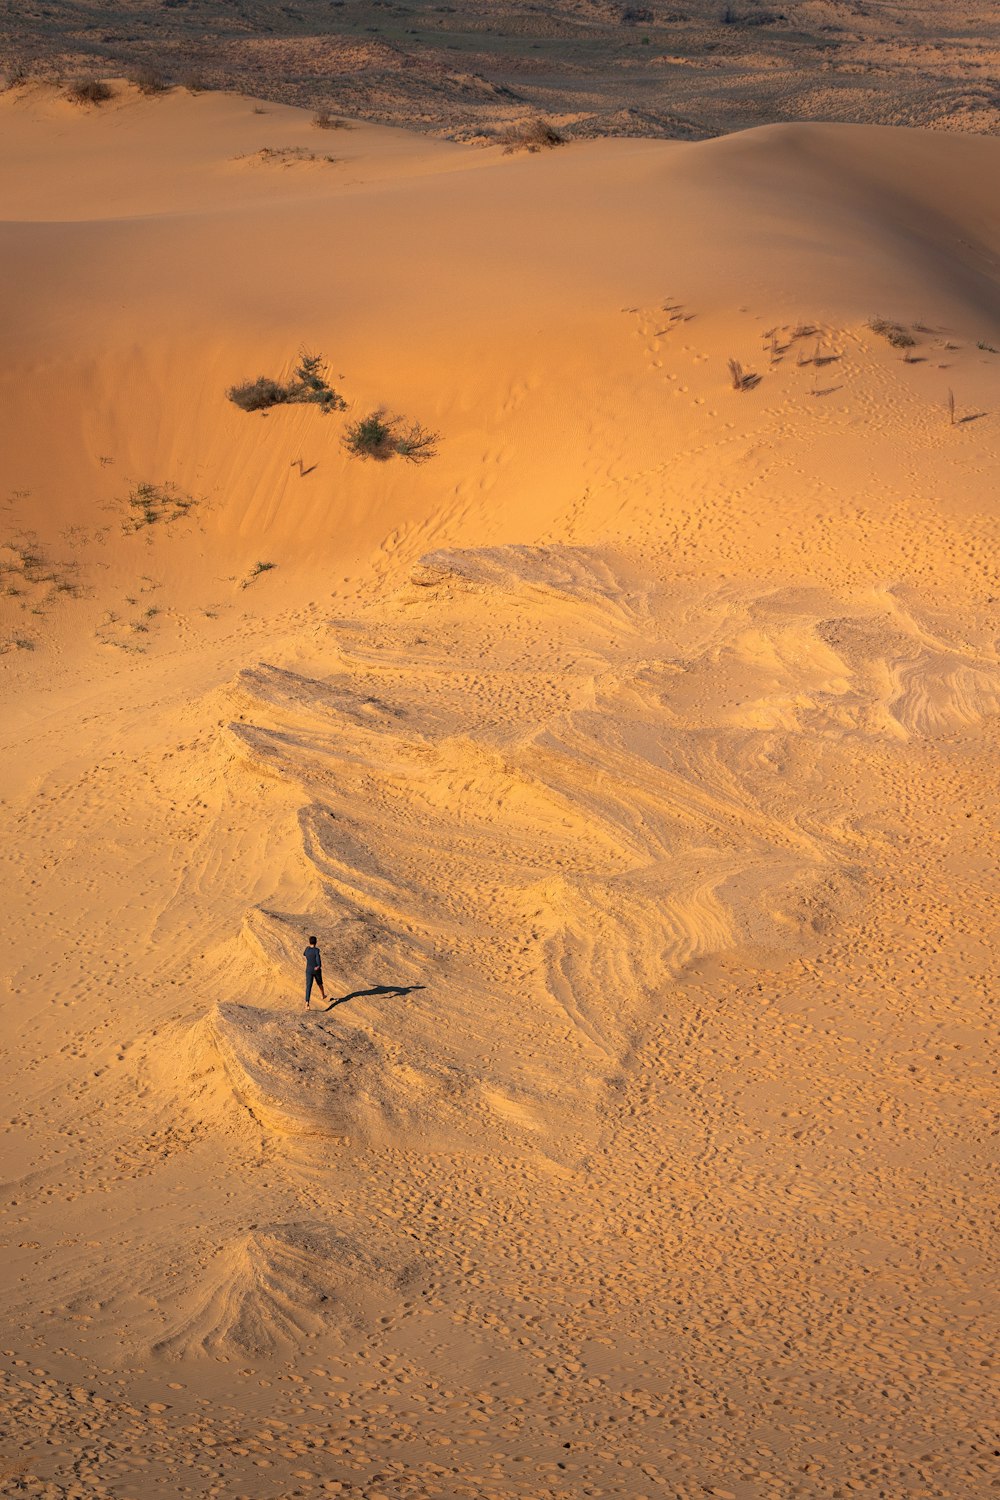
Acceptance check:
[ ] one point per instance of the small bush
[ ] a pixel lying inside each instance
(309, 385)
(370, 437)
(258, 395)
(416, 444)
(535, 135)
(90, 91)
(381, 437)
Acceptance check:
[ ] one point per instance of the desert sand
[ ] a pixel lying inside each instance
(633, 758)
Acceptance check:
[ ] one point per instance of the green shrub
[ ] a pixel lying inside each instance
(371, 437)
(309, 385)
(381, 437)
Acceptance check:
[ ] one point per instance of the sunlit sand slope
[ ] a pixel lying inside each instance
(633, 758)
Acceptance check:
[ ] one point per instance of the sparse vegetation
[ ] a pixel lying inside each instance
(533, 135)
(150, 81)
(898, 336)
(382, 437)
(28, 575)
(284, 156)
(309, 385)
(149, 504)
(90, 91)
(987, 348)
(255, 572)
(741, 380)
(324, 120)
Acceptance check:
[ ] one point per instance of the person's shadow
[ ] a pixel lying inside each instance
(394, 991)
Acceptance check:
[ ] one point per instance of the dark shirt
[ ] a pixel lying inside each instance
(312, 958)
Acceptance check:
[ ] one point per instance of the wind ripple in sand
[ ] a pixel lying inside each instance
(543, 795)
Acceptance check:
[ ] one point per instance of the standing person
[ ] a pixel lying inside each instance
(314, 970)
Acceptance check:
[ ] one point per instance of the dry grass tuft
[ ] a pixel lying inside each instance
(150, 81)
(742, 380)
(533, 135)
(90, 91)
(323, 120)
(897, 335)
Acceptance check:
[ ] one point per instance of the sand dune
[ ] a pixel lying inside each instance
(633, 758)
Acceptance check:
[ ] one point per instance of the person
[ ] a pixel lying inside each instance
(314, 970)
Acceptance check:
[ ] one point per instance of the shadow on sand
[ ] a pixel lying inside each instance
(395, 991)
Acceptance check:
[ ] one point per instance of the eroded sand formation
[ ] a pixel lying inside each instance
(633, 759)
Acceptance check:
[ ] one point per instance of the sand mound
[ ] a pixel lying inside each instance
(307, 1076)
(280, 1284)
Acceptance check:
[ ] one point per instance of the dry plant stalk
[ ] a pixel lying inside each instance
(742, 380)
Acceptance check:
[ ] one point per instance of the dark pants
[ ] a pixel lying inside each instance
(314, 977)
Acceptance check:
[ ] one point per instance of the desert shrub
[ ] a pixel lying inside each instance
(898, 336)
(382, 437)
(257, 395)
(534, 135)
(323, 120)
(416, 444)
(370, 437)
(632, 15)
(309, 385)
(149, 81)
(90, 91)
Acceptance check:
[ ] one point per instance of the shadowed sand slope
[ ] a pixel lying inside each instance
(633, 758)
